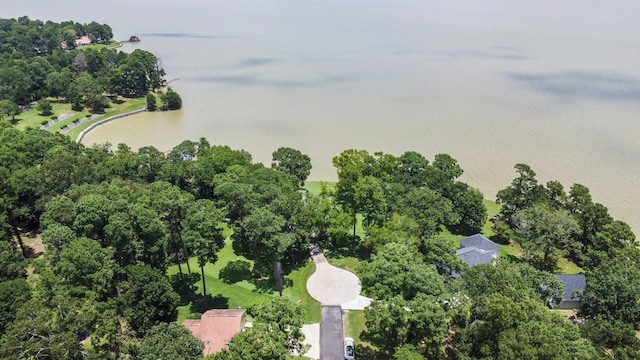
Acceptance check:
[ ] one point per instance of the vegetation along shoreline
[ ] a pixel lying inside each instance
(115, 253)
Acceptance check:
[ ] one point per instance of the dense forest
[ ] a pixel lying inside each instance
(40, 62)
(113, 220)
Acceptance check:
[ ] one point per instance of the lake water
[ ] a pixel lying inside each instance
(553, 84)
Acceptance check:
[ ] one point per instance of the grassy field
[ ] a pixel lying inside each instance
(31, 118)
(348, 263)
(296, 290)
(247, 291)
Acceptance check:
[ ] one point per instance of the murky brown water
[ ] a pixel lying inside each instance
(493, 83)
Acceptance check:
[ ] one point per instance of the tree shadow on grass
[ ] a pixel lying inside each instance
(181, 286)
(213, 302)
(236, 271)
(367, 352)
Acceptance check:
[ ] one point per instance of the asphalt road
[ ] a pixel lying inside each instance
(331, 337)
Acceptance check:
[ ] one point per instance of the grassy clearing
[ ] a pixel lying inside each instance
(296, 290)
(354, 326)
(348, 263)
(247, 291)
(315, 187)
(492, 210)
(32, 118)
(240, 294)
(115, 109)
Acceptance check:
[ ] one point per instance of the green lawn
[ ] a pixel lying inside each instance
(240, 294)
(246, 293)
(314, 187)
(354, 326)
(32, 118)
(348, 263)
(296, 290)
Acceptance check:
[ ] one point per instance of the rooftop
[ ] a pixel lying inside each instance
(572, 283)
(216, 328)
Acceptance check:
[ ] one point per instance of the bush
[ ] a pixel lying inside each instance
(44, 122)
(54, 117)
(151, 102)
(75, 120)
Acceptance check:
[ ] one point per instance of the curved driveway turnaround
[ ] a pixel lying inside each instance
(331, 285)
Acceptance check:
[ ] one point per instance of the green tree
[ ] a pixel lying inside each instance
(544, 234)
(292, 162)
(171, 100)
(147, 298)
(13, 294)
(282, 315)
(508, 328)
(256, 343)
(441, 252)
(49, 328)
(396, 323)
(8, 108)
(412, 169)
(429, 209)
(12, 263)
(351, 165)
(203, 232)
(169, 341)
(516, 281)
(468, 204)
(613, 338)
(397, 271)
(261, 236)
(44, 107)
(84, 266)
(523, 192)
(399, 229)
(58, 82)
(612, 292)
(370, 200)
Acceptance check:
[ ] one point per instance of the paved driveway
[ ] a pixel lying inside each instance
(331, 337)
(331, 285)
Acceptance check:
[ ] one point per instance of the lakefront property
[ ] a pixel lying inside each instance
(116, 250)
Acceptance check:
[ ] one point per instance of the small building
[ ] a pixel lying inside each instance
(473, 256)
(216, 328)
(480, 242)
(84, 40)
(477, 249)
(574, 285)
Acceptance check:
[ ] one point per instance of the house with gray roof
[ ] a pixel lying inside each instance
(473, 256)
(477, 249)
(480, 242)
(574, 285)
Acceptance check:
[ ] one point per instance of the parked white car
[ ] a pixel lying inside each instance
(349, 351)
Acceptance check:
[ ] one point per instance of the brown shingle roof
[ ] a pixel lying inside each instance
(216, 328)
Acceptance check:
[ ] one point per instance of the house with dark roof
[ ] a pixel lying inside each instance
(473, 256)
(477, 249)
(480, 242)
(574, 285)
(216, 328)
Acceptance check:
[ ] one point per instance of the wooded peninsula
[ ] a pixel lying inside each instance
(105, 251)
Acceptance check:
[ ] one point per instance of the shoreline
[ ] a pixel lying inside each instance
(91, 127)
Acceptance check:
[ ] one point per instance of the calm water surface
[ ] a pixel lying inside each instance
(555, 85)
